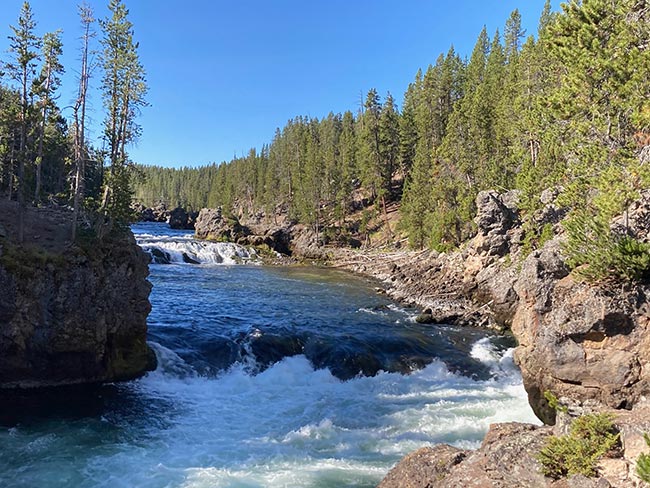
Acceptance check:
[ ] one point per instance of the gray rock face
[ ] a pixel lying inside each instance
(584, 342)
(158, 213)
(305, 243)
(496, 213)
(75, 318)
(179, 218)
(212, 225)
(506, 459)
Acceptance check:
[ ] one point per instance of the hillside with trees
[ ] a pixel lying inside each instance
(564, 108)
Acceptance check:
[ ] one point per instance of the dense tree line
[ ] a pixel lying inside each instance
(44, 157)
(566, 107)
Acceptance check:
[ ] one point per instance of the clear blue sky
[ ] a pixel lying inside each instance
(224, 74)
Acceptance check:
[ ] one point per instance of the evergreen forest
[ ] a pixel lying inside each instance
(566, 107)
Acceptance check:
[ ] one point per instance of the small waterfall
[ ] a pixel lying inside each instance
(186, 250)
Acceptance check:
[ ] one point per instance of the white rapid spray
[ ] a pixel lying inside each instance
(295, 426)
(185, 249)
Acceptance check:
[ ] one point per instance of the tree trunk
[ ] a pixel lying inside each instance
(21, 160)
(41, 136)
(383, 204)
(80, 121)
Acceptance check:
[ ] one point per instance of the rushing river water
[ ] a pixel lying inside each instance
(267, 377)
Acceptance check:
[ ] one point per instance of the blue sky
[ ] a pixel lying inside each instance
(223, 75)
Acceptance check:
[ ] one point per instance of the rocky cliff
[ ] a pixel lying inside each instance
(587, 344)
(71, 314)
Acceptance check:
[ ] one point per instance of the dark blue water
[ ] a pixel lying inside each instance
(267, 377)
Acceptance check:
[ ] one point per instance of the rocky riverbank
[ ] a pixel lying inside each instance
(508, 458)
(586, 344)
(70, 313)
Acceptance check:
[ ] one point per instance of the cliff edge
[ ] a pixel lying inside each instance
(70, 313)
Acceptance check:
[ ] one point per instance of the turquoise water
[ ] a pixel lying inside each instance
(267, 377)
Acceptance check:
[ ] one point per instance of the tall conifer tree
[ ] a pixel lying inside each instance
(124, 89)
(24, 46)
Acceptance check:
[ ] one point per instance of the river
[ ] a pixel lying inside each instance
(267, 377)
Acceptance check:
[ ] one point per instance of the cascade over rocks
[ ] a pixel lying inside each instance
(285, 238)
(70, 315)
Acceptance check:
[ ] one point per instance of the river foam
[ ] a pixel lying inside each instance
(292, 425)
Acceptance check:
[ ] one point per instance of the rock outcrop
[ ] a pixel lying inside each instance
(584, 342)
(508, 454)
(288, 239)
(157, 213)
(179, 218)
(71, 315)
(212, 225)
(588, 344)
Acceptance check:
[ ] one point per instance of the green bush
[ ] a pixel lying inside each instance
(554, 402)
(643, 463)
(598, 255)
(578, 452)
(536, 237)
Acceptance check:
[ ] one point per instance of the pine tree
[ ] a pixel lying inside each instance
(349, 170)
(513, 36)
(79, 110)
(389, 139)
(408, 131)
(124, 89)
(372, 170)
(45, 88)
(10, 109)
(24, 46)
(601, 102)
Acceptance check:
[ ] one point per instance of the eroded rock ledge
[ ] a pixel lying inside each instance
(508, 458)
(71, 314)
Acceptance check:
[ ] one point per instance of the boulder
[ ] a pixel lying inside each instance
(424, 467)
(158, 213)
(496, 213)
(279, 239)
(212, 225)
(305, 243)
(505, 459)
(179, 218)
